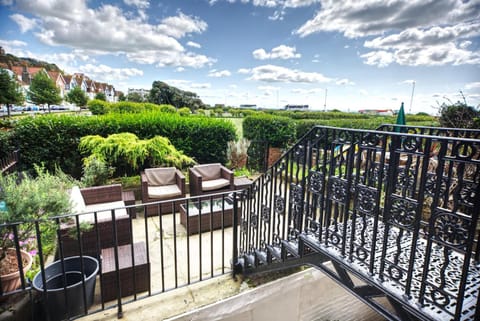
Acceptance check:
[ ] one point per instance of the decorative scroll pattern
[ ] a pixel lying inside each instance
(316, 182)
(279, 205)
(266, 213)
(468, 193)
(337, 190)
(450, 228)
(366, 199)
(403, 212)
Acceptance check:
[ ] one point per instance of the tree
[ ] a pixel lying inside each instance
(135, 97)
(10, 92)
(77, 96)
(122, 97)
(458, 115)
(101, 96)
(44, 91)
(162, 93)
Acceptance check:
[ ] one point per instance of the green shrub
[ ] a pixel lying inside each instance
(54, 139)
(184, 111)
(96, 172)
(167, 109)
(277, 131)
(98, 107)
(127, 148)
(6, 144)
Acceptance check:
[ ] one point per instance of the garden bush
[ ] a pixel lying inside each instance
(277, 131)
(54, 139)
(98, 106)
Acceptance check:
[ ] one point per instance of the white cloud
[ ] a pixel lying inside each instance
(201, 85)
(106, 73)
(71, 23)
(280, 52)
(181, 25)
(273, 3)
(9, 45)
(141, 4)
(344, 81)
(412, 33)
(378, 58)
(244, 71)
(219, 73)
(193, 44)
(170, 58)
(272, 73)
(473, 85)
(23, 22)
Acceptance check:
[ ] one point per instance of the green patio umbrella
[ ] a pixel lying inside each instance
(400, 119)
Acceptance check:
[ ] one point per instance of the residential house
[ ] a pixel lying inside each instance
(57, 77)
(110, 93)
(80, 79)
(70, 82)
(91, 89)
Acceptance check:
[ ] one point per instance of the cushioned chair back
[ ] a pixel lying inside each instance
(209, 171)
(160, 176)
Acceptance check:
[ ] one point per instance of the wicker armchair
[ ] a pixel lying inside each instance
(161, 184)
(210, 178)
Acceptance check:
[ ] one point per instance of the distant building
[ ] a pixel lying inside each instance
(142, 92)
(251, 106)
(379, 112)
(296, 107)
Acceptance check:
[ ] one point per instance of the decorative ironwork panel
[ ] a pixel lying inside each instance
(279, 205)
(265, 213)
(316, 181)
(450, 228)
(337, 190)
(403, 212)
(366, 199)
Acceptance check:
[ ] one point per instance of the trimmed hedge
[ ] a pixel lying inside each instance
(277, 131)
(54, 139)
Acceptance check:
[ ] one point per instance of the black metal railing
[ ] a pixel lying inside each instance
(9, 163)
(138, 257)
(397, 207)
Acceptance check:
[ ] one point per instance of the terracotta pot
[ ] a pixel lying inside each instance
(12, 280)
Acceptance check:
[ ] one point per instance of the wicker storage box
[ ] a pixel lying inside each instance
(132, 280)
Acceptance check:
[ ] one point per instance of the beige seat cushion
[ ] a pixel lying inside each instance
(104, 212)
(160, 176)
(215, 184)
(76, 200)
(164, 192)
(209, 171)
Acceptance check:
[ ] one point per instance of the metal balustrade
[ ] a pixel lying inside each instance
(138, 257)
(391, 213)
(397, 208)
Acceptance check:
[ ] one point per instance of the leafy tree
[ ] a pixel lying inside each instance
(101, 96)
(135, 97)
(122, 97)
(98, 107)
(458, 115)
(44, 91)
(77, 96)
(162, 93)
(10, 92)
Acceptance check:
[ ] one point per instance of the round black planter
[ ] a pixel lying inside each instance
(54, 300)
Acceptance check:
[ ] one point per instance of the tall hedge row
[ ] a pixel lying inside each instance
(54, 139)
(278, 131)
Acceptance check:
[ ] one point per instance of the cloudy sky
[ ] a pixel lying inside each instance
(351, 54)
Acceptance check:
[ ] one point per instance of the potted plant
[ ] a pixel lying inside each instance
(26, 199)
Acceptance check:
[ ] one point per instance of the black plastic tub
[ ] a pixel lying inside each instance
(55, 306)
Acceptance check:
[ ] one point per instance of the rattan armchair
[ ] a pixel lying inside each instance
(210, 178)
(161, 184)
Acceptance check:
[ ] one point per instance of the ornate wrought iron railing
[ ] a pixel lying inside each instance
(397, 207)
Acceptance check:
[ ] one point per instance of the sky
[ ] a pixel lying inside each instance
(347, 55)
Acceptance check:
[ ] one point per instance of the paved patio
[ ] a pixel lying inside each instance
(313, 294)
